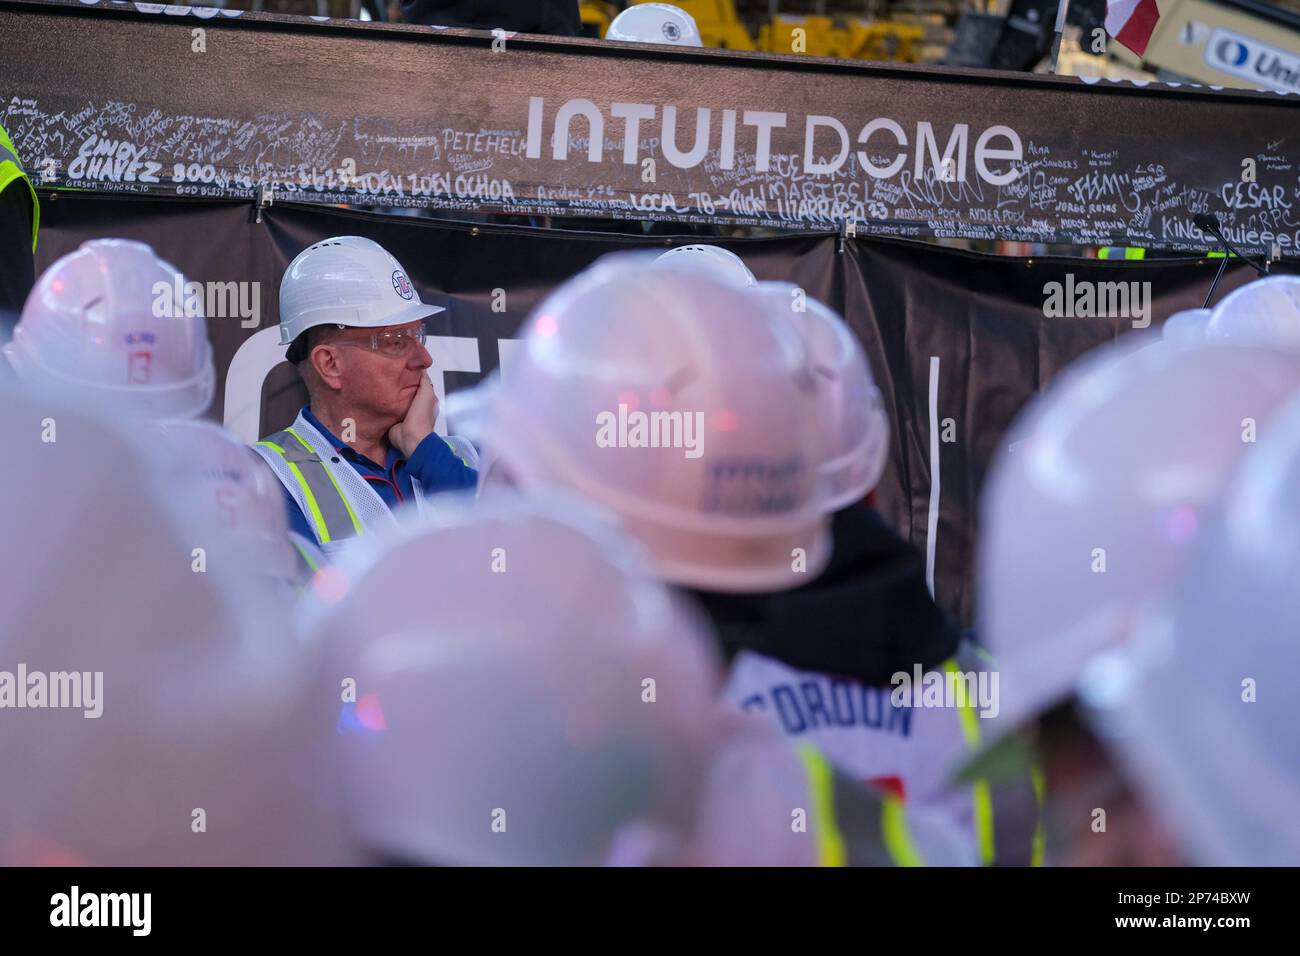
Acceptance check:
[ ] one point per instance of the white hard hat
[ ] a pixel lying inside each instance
(655, 23)
(1264, 313)
(682, 404)
(240, 494)
(189, 738)
(1099, 494)
(114, 321)
(527, 692)
(1186, 327)
(349, 281)
(712, 260)
(851, 419)
(1202, 708)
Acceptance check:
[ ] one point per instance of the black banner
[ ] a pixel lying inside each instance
(357, 907)
(958, 341)
(212, 103)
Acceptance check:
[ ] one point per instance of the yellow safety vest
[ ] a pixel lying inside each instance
(11, 168)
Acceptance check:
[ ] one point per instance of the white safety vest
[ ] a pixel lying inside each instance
(344, 507)
(910, 751)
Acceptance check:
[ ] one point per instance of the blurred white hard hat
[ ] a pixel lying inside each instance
(1264, 313)
(851, 419)
(113, 321)
(1186, 327)
(682, 404)
(240, 495)
(1202, 707)
(349, 281)
(655, 23)
(720, 263)
(185, 736)
(527, 693)
(1096, 509)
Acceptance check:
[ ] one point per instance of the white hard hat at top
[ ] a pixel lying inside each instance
(713, 260)
(655, 23)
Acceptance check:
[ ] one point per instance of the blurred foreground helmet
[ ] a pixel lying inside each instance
(1186, 327)
(158, 725)
(1202, 708)
(241, 498)
(527, 693)
(114, 322)
(683, 405)
(1264, 313)
(1100, 496)
(851, 420)
(655, 23)
(722, 264)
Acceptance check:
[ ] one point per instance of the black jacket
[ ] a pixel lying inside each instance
(866, 617)
(556, 17)
(17, 267)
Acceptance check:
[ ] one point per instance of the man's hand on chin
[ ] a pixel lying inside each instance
(407, 434)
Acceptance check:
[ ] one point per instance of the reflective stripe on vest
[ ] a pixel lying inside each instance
(970, 728)
(830, 842)
(11, 169)
(463, 449)
(855, 825)
(327, 510)
(1000, 816)
(309, 557)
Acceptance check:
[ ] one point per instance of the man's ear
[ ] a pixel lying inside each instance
(325, 361)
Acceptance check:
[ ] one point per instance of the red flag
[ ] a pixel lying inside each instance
(1131, 22)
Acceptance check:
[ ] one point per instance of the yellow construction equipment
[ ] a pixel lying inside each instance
(596, 17)
(718, 23)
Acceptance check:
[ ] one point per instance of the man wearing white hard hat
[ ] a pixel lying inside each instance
(632, 355)
(92, 327)
(1091, 513)
(836, 643)
(365, 443)
(818, 662)
(655, 23)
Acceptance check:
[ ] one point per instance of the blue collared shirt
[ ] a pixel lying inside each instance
(437, 467)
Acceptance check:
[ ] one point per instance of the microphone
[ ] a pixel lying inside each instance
(1208, 222)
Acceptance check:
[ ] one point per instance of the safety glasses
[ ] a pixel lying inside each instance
(390, 342)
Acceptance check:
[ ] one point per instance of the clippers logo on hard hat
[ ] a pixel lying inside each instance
(402, 285)
(139, 362)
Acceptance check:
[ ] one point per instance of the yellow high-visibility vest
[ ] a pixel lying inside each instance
(11, 168)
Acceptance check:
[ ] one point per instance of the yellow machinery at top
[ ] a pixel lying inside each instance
(855, 39)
